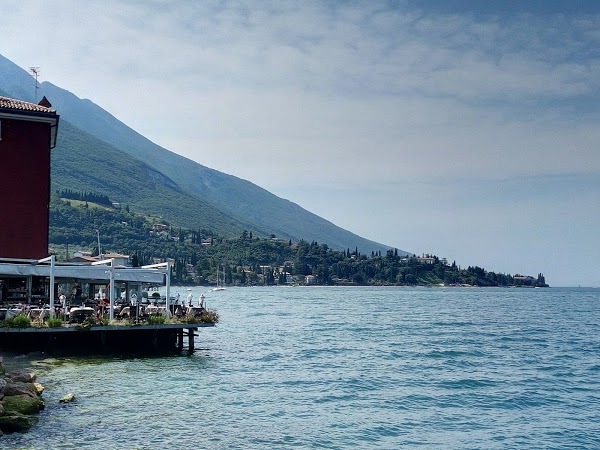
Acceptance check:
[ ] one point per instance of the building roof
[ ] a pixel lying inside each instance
(84, 259)
(11, 108)
(20, 105)
(114, 255)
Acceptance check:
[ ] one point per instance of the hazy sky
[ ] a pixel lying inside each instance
(465, 129)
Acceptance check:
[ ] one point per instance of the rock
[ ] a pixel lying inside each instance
(2, 369)
(23, 404)
(2, 384)
(15, 422)
(39, 388)
(67, 398)
(23, 376)
(19, 388)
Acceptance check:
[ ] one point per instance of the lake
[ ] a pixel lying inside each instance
(336, 368)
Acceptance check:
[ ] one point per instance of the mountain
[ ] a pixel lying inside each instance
(97, 152)
(84, 163)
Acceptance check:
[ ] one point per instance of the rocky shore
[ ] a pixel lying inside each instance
(20, 400)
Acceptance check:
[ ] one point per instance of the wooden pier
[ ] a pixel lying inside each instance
(118, 339)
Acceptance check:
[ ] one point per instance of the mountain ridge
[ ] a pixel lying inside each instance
(241, 204)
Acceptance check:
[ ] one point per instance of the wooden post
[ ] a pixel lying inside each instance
(180, 340)
(190, 340)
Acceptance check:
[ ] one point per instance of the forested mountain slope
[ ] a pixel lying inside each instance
(97, 152)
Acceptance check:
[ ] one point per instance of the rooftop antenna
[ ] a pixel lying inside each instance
(35, 72)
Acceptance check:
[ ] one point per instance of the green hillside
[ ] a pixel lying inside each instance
(82, 162)
(248, 260)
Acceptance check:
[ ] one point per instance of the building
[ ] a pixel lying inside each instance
(37, 287)
(120, 260)
(310, 280)
(27, 134)
(426, 260)
(82, 254)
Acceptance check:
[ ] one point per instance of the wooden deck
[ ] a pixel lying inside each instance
(109, 339)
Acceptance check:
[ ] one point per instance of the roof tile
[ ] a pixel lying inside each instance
(11, 103)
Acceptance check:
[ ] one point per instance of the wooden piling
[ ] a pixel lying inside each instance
(191, 340)
(180, 340)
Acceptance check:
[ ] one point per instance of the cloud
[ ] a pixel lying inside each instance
(403, 85)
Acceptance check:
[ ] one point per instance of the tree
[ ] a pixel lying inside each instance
(410, 279)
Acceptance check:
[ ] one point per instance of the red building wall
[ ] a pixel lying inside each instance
(24, 188)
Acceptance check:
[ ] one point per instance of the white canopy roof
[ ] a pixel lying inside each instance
(84, 272)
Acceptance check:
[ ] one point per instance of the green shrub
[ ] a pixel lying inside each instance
(156, 320)
(55, 322)
(90, 321)
(19, 321)
(208, 316)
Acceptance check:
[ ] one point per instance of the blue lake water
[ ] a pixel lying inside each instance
(336, 368)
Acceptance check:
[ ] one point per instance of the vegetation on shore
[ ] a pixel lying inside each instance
(210, 316)
(250, 260)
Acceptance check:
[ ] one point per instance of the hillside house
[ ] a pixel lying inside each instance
(120, 260)
(82, 254)
(310, 280)
(426, 259)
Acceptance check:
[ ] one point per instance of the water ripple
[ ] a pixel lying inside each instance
(336, 368)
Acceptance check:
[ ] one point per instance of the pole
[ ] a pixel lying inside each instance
(52, 260)
(168, 289)
(168, 280)
(111, 314)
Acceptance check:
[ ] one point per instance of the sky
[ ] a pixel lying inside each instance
(465, 129)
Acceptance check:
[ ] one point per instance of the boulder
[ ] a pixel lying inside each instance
(23, 376)
(67, 398)
(39, 388)
(2, 384)
(22, 404)
(15, 422)
(19, 388)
